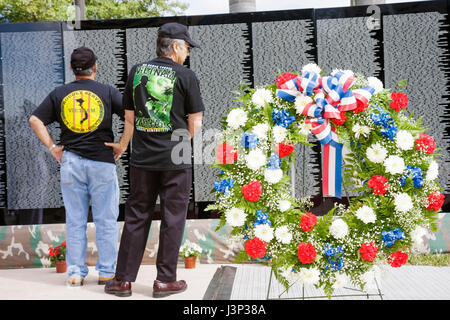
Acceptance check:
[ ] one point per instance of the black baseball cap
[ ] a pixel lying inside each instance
(174, 30)
(82, 58)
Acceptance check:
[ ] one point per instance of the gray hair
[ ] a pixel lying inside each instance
(164, 46)
(86, 72)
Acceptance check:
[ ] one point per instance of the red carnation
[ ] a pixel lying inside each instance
(226, 154)
(378, 184)
(306, 252)
(309, 220)
(425, 143)
(284, 150)
(341, 121)
(360, 106)
(399, 101)
(256, 248)
(368, 251)
(252, 191)
(397, 259)
(435, 201)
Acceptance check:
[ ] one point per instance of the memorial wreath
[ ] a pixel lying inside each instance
(370, 148)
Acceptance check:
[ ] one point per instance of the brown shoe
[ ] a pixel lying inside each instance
(119, 288)
(164, 289)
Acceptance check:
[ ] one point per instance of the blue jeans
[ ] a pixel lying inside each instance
(83, 180)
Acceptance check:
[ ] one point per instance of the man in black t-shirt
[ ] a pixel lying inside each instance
(165, 98)
(87, 155)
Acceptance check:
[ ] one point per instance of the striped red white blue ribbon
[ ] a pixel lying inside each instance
(331, 95)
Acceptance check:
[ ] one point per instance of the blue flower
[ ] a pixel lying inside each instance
(249, 140)
(415, 174)
(391, 236)
(336, 264)
(262, 218)
(274, 162)
(384, 119)
(335, 261)
(389, 131)
(282, 118)
(224, 186)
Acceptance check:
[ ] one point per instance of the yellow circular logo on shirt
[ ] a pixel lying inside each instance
(82, 111)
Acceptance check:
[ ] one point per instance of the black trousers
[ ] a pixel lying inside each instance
(173, 188)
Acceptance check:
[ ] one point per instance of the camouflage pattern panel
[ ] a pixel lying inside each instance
(27, 246)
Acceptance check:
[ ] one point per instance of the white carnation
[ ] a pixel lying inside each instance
(376, 84)
(403, 202)
(311, 67)
(237, 118)
(339, 229)
(366, 214)
(394, 164)
(261, 97)
(264, 232)
(301, 101)
(279, 133)
(360, 130)
(376, 153)
(235, 217)
(261, 130)
(433, 171)
(273, 176)
(404, 140)
(256, 159)
(309, 276)
(283, 235)
(284, 205)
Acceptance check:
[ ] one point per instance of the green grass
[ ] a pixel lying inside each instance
(430, 259)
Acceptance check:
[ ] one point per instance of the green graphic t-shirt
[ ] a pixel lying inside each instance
(153, 88)
(162, 93)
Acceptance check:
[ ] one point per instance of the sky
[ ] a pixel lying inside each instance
(204, 7)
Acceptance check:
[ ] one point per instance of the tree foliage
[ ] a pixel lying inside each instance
(62, 10)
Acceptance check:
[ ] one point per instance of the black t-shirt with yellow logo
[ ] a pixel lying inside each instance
(83, 109)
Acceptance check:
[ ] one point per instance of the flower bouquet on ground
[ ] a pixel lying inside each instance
(190, 251)
(58, 257)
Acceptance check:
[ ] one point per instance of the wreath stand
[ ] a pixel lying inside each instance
(358, 292)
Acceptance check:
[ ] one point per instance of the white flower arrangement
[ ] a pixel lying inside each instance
(366, 214)
(264, 232)
(235, 217)
(403, 202)
(261, 97)
(283, 234)
(404, 140)
(376, 153)
(237, 118)
(256, 159)
(339, 229)
(376, 84)
(394, 164)
(190, 249)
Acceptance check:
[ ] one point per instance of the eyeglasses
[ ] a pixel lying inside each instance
(188, 48)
